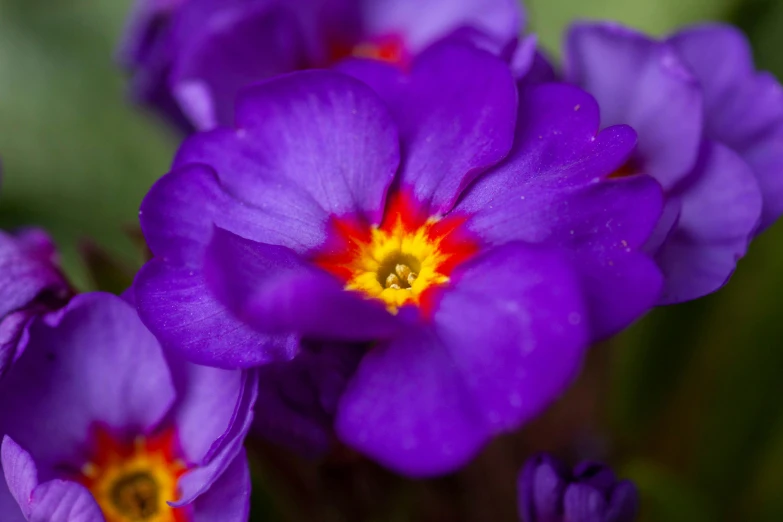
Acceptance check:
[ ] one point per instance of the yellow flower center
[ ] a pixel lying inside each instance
(134, 482)
(398, 266)
(399, 261)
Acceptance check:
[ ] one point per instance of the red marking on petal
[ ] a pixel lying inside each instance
(403, 210)
(629, 168)
(389, 49)
(428, 302)
(345, 239)
(454, 241)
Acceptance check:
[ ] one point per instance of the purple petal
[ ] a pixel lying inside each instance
(294, 161)
(643, 83)
(531, 65)
(422, 23)
(557, 141)
(766, 159)
(470, 35)
(70, 378)
(9, 509)
(385, 78)
(64, 501)
(739, 102)
(602, 225)
(53, 501)
(722, 200)
(273, 289)
(180, 211)
(514, 326)
(225, 58)
(31, 284)
(623, 503)
(28, 268)
(14, 335)
(206, 407)
(595, 474)
(743, 108)
(670, 215)
(324, 137)
(551, 190)
(21, 475)
(619, 288)
(455, 122)
(178, 217)
(146, 27)
(552, 208)
(720, 208)
(225, 448)
(541, 486)
(228, 500)
(583, 503)
(147, 51)
(178, 307)
(407, 407)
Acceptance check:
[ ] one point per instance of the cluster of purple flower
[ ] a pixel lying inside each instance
(393, 224)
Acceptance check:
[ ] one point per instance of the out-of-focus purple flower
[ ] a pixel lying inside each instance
(97, 424)
(31, 284)
(550, 492)
(710, 131)
(467, 230)
(189, 58)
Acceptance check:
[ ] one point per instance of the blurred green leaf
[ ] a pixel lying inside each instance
(743, 399)
(764, 501)
(721, 418)
(665, 497)
(762, 20)
(262, 505)
(548, 18)
(650, 360)
(77, 159)
(106, 272)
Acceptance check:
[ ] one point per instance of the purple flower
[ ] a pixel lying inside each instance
(189, 58)
(550, 492)
(472, 238)
(31, 284)
(96, 424)
(710, 131)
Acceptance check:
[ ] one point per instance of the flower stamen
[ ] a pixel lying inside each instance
(402, 278)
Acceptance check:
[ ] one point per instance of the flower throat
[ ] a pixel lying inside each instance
(403, 259)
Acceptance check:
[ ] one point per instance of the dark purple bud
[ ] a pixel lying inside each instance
(550, 492)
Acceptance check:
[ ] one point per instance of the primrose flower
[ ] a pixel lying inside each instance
(189, 58)
(98, 425)
(31, 285)
(550, 492)
(710, 131)
(467, 232)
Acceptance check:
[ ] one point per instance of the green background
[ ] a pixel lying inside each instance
(689, 402)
